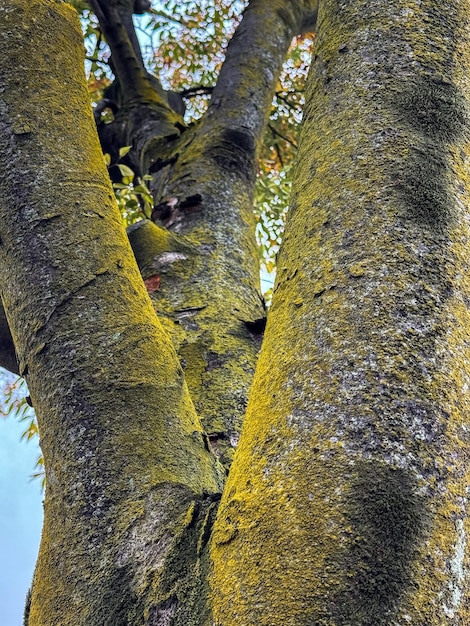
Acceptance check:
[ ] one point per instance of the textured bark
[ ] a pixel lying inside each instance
(209, 295)
(347, 499)
(131, 482)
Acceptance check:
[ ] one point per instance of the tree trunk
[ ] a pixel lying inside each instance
(207, 265)
(131, 481)
(347, 499)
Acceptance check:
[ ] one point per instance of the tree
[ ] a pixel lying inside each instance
(346, 502)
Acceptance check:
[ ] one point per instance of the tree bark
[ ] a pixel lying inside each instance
(209, 297)
(347, 501)
(131, 481)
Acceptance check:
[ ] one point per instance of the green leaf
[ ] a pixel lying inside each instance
(125, 171)
(123, 151)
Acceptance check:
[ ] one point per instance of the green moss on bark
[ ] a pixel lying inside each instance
(122, 444)
(345, 501)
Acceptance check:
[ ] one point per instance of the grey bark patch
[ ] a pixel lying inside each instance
(162, 615)
(235, 149)
(117, 604)
(241, 138)
(425, 189)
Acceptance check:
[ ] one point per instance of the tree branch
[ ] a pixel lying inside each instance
(236, 96)
(115, 18)
(274, 130)
(199, 90)
(215, 161)
(143, 109)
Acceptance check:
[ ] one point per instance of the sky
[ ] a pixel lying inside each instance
(20, 519)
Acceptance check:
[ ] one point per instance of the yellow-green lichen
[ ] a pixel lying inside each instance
(351, 474)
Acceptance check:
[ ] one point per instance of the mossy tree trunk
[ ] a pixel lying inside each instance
(131, 480)
(347, 501)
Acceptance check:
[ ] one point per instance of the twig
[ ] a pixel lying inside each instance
(286, 139)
